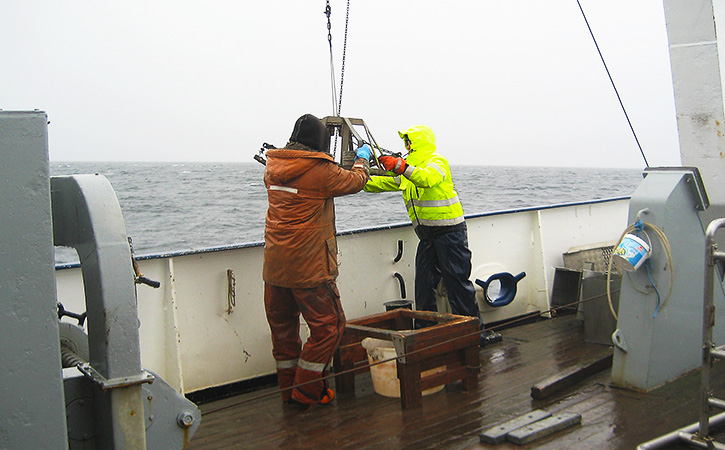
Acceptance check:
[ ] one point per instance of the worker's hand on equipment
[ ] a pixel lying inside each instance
(397, 165)
(364, 151)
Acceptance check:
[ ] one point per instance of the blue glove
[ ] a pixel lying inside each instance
(364, 152)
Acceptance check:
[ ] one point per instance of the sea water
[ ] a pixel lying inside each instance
(170, 207)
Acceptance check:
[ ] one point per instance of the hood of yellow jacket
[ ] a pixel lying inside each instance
(422, 143)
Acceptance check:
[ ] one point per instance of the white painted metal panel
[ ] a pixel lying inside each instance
(509, 243)
(697, 84)
(580, 225)
(367, 266)
(217, 347)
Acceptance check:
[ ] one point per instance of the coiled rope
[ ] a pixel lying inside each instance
(639, 225)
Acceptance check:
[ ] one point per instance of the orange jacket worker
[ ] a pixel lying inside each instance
(300, 256)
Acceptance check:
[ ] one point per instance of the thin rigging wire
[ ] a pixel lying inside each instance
(328, 12)
(613, 85)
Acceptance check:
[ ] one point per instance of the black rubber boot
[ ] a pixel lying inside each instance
(490, 337)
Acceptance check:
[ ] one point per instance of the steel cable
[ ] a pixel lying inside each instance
(613, 85)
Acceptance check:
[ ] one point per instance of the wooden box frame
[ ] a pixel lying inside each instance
(453, 342)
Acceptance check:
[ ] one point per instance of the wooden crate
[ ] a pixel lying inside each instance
(452, 342)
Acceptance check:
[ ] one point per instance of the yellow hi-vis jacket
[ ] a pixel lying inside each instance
(427, 185)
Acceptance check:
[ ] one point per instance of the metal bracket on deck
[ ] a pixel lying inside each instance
(399, 344)
(105, 384)
(618, 341)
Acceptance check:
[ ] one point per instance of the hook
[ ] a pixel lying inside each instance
(400, 251)
(402, 283)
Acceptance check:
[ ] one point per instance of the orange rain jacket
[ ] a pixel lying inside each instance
(300, 248)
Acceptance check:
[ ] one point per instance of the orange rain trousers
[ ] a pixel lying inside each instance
(322, 311)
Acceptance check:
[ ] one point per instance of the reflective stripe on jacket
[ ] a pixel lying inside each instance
(300, 247)
(427, 185)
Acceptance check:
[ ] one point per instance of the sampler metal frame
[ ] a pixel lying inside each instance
(351, 139)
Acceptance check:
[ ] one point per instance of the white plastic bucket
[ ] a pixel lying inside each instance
(631, 253)
(385, 375)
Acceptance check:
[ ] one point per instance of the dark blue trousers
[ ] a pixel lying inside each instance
(443, 253)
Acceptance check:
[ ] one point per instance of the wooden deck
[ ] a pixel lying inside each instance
(612, 418)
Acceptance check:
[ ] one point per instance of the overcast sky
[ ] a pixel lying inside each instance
(499, 82)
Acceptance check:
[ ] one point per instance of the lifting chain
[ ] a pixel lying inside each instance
(336, 108)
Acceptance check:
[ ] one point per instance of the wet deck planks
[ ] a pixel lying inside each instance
(612, 418)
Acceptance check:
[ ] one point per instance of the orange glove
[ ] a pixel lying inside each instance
(396, 165)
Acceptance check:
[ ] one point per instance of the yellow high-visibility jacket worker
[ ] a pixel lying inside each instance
(428, 191)
(425, 180)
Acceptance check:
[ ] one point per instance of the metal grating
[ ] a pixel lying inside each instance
(595, 258)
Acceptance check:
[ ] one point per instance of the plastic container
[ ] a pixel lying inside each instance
(631, 253)
(385, 375)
